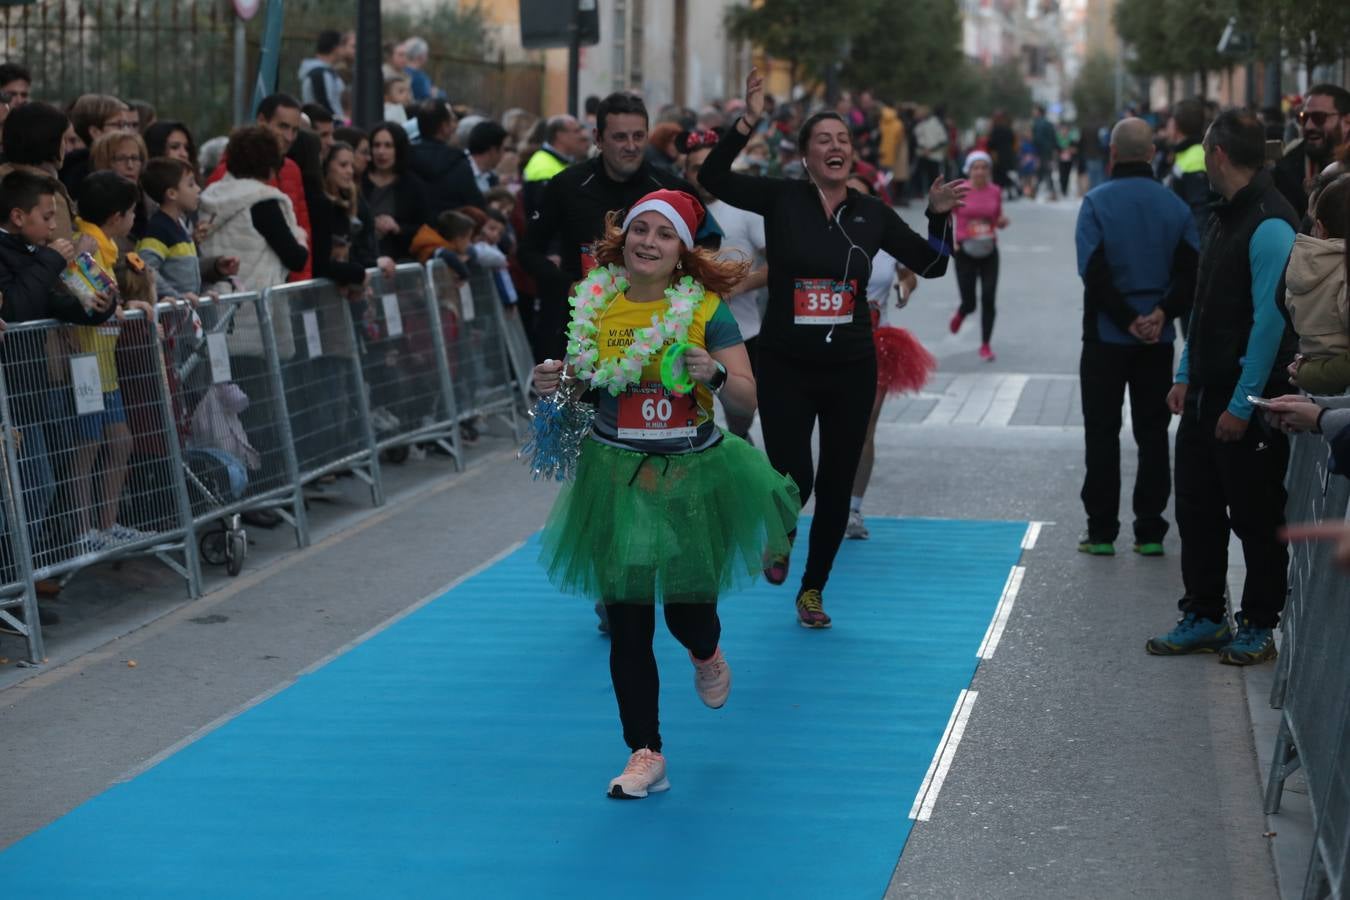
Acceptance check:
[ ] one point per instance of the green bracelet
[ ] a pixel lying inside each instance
(674, 375)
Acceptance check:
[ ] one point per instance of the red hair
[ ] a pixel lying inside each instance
(716, 274)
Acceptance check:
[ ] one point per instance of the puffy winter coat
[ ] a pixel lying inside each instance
(231, 201)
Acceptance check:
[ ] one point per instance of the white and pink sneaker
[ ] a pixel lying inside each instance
(712, 679)
(645, 772)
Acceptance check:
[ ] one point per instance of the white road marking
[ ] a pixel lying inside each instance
(1033, 532)
(926, 799)
(1001, 613)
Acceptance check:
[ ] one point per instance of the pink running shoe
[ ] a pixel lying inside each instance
(712, 679)
(986, 354)
(646, 771)
(955, 324)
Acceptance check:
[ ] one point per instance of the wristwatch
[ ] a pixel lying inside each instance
(719, 380)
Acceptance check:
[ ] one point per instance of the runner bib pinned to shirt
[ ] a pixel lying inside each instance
(649, 412)
(823, 301)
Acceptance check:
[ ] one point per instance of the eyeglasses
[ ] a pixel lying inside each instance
(124, 124)
(1318, 119)
(127, 158)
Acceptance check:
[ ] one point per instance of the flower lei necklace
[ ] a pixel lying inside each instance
(592, 297)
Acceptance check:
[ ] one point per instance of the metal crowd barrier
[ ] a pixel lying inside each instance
(152, 437)
(226, 393)
(318, 353)
(1313, 682)
(405, 366)
(475, 342)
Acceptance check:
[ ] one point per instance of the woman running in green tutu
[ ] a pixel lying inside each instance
(665, 506)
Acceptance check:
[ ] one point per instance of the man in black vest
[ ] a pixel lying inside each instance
(1229, 463)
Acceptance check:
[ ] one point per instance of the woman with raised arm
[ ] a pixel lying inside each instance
(817, 362)
(665, 506)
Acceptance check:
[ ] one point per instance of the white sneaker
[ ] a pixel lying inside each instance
(92, 541)
(122, 534)
(646, 771)
(712, 679)
(856, 529)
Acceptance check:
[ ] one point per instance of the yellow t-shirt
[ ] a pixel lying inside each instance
(647, 417)
(100, 340)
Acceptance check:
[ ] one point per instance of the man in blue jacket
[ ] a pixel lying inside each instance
(1137, 255)
(1231, 464)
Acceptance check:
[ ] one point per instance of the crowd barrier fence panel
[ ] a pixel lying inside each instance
(475, 343)
(226, 393)
(522, 357)
(16, 565)
(98, 454)
(1314, 693)
(318, 356)
(1306, 482)
(405, 366)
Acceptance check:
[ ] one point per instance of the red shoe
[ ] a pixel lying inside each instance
(955, 324)
(775, 569)
(986, 354)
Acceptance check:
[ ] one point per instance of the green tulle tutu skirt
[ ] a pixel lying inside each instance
(635, 528)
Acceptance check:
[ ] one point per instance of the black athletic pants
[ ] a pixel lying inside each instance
(1105, 371)
(632, 664)
(1237, 486)
(984, 270)
(793, 395)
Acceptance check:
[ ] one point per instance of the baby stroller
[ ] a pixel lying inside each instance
(215, 478)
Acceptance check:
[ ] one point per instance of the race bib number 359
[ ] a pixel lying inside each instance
(822, 301)
(649, 412)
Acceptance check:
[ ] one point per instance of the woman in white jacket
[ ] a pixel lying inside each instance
(253, 220)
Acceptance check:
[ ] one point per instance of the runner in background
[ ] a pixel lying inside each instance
(977, 223)
(558, 245)
(902, 362)
(817, 362)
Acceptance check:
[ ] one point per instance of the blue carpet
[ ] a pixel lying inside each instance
(464, 752)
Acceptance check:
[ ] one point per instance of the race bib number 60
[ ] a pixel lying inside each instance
(822, 301)
(649, 412)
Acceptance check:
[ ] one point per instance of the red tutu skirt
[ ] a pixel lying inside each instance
(903, 365)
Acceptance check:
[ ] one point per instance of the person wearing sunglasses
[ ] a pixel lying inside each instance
(1322, 123)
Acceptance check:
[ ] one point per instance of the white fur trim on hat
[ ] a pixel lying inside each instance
(676, 220)
(973, 157)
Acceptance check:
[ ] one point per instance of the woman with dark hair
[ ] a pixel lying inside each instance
(817, 361)
(665, 506)
(34, 139)
(397, 197)
(171, 139)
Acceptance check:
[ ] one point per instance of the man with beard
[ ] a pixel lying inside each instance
(1322, 118)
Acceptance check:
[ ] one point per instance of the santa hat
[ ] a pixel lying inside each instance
(684, 212)
(973, 157)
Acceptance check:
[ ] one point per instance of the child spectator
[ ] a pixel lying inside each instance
(493, 252)
(397, 96)
(107, 204)
(168, 248)
(32, 257)
(1315, 293)
(450, 242)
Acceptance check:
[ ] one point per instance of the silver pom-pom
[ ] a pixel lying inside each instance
(559, 423)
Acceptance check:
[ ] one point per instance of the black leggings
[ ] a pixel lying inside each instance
(985, 269)
(793, 395)
(632, 665)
